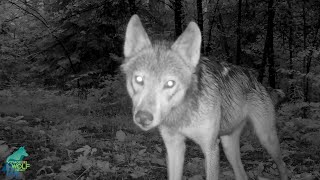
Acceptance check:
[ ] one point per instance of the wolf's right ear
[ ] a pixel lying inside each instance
(136, 37)
(188, 44)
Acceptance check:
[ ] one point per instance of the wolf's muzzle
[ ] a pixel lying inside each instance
(144, 118)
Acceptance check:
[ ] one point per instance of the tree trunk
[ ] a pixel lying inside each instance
(268, 52)
(238, 57)
(315, 44)
(264, 60)
(200, 21)
(306, 84)
(272, 72)
(211, 19)
(290, 47)
(220, 26)
(304, 31)
(177, 17)
(133, 7)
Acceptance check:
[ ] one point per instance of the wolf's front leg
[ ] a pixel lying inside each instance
(175, 145)
(211, 153)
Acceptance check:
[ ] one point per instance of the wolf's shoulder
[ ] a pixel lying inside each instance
(225, 70)
(216, 67)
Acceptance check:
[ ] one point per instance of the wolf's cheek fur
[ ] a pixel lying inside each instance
(130, 89)
(133, 87)
(170, 100)
(134, 91)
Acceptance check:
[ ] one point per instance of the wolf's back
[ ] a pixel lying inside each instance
(237, 89)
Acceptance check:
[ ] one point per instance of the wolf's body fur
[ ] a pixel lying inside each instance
(186, 96)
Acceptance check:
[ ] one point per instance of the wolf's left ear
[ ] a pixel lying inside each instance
(188, 45)
(136, 37)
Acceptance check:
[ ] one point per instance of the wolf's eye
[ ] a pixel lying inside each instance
(139, 80)
(169, 84)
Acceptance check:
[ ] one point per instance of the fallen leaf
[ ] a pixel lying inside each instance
(158, 148)
(85, 149)
(93, 150)
(119, 158)
(71, 167)
(141, 152)
(138, 172)
(120, 135)
(103, 165)
(18, 118)
(228, 173)
(260, 168)
(246, 148)
(262, 178)
(21, 122)
(196, 177)
(159, 161)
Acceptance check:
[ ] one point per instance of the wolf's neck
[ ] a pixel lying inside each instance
(181, 114)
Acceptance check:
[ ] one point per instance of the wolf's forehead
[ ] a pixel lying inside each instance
(158, 60)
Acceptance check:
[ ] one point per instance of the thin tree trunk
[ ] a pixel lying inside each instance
(264, 60)
(290, 46)
(210, 25)
(200, 20)
(306, 83)
(290, 37)
(304, 31)
(224, 38)
(268, 52)
(315, 44)
(177, 17)
(238, 57)
(133, 7)
(272, 72)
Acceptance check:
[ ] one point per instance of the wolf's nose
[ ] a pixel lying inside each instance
(144, 117)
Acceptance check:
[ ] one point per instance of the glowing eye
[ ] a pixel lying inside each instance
(169, 84)
(139, 80)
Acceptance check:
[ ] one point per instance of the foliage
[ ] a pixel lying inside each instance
(65, 140)
(76, 44)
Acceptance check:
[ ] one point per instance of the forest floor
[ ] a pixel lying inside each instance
(71, 138)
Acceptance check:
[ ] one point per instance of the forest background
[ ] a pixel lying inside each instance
(63, 97)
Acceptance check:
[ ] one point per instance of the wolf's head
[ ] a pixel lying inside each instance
(158, 75)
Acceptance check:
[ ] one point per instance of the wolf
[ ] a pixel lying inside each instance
(185, 95)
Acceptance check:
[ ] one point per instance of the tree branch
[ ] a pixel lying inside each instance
(44, 22)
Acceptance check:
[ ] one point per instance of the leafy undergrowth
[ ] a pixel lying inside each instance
(68, 138)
